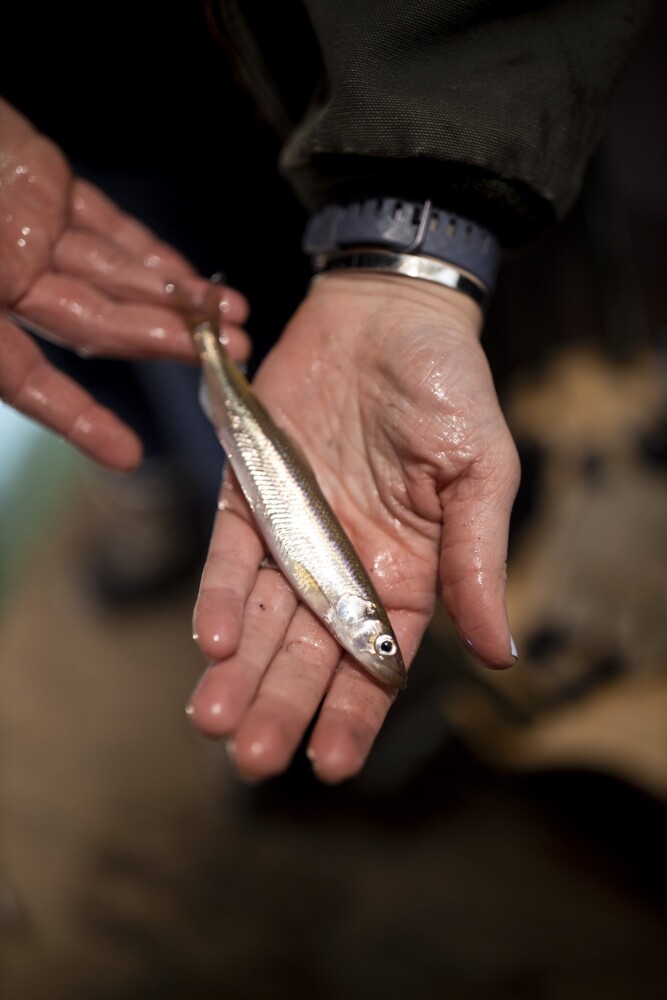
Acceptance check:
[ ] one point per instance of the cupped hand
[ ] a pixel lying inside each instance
(76, 269)
(384, 384)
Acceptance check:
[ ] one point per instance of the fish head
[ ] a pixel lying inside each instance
(363, 629)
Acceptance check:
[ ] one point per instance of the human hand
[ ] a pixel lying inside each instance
(76, 269)
(384, 384)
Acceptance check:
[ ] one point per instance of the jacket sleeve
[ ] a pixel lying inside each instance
(489, 108)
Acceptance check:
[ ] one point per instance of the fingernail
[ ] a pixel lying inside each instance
(513, 649)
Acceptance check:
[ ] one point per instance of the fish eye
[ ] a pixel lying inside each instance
(385, 645)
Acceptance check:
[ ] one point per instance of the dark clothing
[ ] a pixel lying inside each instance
(490, 109)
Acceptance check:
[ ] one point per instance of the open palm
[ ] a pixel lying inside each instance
(80, 271)
(383, 383)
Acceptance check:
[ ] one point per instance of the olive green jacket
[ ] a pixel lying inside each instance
(489, 108)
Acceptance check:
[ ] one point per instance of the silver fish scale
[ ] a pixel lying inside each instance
(282, 492)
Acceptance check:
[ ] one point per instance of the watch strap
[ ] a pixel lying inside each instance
(406, 227)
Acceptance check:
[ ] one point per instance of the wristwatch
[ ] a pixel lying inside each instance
(404, 228)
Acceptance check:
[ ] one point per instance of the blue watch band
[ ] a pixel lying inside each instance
(406, 227)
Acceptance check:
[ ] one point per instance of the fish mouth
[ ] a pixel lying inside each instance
(391, 672)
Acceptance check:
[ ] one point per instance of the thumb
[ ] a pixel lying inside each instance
(476, 509)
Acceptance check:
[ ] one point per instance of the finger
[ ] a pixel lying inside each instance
(476, 514)
(91, 209)
(227, 689)
(288, 698)
(34, 387)
(87, 320)
(95, 259)
(355, 708)
(230, 573)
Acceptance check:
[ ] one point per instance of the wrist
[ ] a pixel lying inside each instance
(402, 298)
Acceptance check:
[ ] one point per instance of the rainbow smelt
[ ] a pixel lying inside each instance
(299, 527)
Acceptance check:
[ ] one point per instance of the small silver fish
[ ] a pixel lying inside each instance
(299, 527)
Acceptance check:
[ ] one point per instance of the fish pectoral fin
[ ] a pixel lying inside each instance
(305, 585)
(308, 587)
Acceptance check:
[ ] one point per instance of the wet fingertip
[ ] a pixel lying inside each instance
(312, 757)
(243, 776)
(211, 651)
(125, 467)
(216, 626)
(214, 642)
(470, 647)
(194, 298)
(321, 775)
(236, 341)
(335, 766)
(214, 647)
(210, 715)
(191, 708)
(179, 297)
(209, 739)
(331, 779)
(491, 662)
(201, 734)
(107, 440)
(231, 299)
